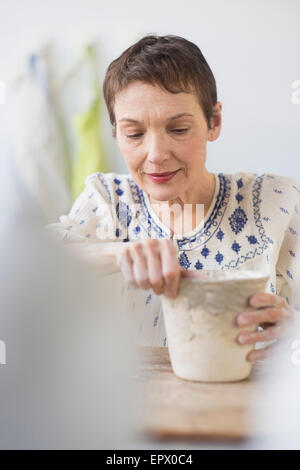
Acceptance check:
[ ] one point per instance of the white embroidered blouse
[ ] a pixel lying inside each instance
(252, 223)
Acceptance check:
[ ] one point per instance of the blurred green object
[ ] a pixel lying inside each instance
(90, 155)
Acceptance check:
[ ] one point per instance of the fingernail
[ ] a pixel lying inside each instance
(241, 339)
(242, 320)
(253, 302)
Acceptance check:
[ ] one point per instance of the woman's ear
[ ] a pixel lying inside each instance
(216, 122)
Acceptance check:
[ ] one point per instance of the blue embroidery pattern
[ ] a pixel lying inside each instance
(204, 234)
(124, 213)
(236, 247)
(146, 221)
(252, 239)
(219, 257)
(205, 252)
(212, 224)
(220, 235)
(295, 187)
(184, 261)
(102, 178)
(238, 220)
(198, 265)
(119, 191)
(261, 247)
(272, 288)
(240, 183)
(285, 211)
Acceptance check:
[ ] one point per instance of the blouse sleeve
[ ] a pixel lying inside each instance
(288, 263)
(91, 218)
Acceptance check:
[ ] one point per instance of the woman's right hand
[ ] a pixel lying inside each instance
(151, 263)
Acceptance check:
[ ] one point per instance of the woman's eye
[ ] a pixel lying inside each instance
(134, 136)
(177, 131)
(180, 131)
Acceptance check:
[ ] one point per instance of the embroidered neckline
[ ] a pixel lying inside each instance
(193, 232)
(203, 231)
(214, 217)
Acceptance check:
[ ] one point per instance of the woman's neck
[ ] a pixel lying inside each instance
(184, 213)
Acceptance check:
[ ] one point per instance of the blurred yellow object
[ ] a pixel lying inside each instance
(90, 157)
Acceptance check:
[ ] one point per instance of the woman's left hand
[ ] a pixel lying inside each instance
(274, 315)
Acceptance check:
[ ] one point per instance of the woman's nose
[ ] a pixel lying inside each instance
(157, 150)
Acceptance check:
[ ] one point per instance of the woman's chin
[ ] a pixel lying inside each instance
(162, 194)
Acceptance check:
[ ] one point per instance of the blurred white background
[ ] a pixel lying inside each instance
(252, 47)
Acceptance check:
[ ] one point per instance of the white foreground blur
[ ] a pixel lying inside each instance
(275, 410)
(68, 378)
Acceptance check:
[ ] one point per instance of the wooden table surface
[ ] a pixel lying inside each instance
(177, 408)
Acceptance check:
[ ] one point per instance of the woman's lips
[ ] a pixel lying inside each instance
(161, 177)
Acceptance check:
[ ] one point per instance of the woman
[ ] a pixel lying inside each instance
(162, 102)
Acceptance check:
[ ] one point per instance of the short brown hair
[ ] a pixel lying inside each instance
(172, 62)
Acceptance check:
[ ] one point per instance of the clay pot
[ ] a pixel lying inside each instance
(201, 325)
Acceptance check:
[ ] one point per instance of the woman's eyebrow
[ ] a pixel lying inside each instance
(168, 119)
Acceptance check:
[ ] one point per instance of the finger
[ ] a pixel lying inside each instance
(170, 267)
(274, 332)
(191, 274)
(265, 325)
(266, 315)
(126, 265)
(154, 266)
(266, 300)
(260, 354)
(140, 271)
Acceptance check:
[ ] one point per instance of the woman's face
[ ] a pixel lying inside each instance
(162, 137)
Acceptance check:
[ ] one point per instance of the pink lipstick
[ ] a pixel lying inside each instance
(161, 177)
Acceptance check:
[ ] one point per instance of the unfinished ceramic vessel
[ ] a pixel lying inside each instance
(201, 325)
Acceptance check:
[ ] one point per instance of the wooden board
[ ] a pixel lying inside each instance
(176, 408)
